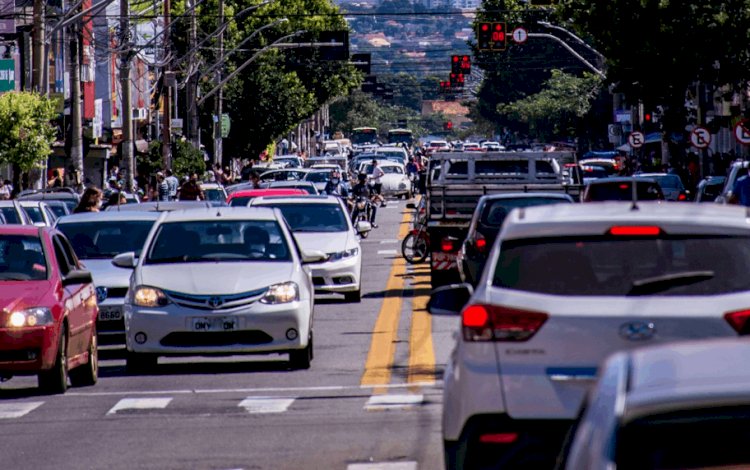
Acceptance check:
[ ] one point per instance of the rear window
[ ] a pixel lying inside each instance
(495, 212)
(10, 214)
(709, 438)
(22, 259)
(670, 182)
(618, 266)
(34, 213)
(501, 167)
(623, 191)
(240, 201)
(106, 238)
(457, 167)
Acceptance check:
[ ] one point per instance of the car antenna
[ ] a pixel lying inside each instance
(634, 192)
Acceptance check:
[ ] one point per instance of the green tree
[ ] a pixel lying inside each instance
(187, 159)
(556, 110)
(26, 134)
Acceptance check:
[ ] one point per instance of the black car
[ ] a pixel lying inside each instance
(621, 189)
(486, 222)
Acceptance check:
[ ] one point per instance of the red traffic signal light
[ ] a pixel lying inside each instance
(491, 36)
(448, 125)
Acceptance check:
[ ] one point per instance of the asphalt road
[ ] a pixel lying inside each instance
(371, 399)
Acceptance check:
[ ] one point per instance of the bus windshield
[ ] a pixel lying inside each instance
(400, 136)
(364, 135)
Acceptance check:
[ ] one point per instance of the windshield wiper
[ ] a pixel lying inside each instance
(652, 285)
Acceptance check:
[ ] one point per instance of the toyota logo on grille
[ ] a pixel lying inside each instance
(637, 331)
(215, 302)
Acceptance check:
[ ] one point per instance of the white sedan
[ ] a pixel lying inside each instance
(395, 181)
(219, 281)
(320, 223)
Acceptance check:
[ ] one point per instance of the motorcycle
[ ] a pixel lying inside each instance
(361, 212)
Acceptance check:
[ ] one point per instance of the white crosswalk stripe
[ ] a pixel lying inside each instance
(16, 410)
(139, 404)
(387, 252)
(266, 404)
(393, 401)
(383, 466)
(388, 242)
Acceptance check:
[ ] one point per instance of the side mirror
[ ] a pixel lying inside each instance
(125, 260)
(449, 300)
(77, 276)
(313, 256)
(363, 227)
(411, 205)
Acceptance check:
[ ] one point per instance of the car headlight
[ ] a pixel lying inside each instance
(149, 297)
(38, 316)
(343, 254)
(281, 293)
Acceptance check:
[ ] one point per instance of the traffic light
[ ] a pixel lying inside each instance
(457, 80)
(491, 36)
(455, 64)
(448, 126)
(460, 64)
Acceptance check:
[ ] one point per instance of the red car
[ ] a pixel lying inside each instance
(241, 198)
(49, 310)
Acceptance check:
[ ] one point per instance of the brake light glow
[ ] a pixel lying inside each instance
(635, 230)
(497, 323)
(499, 438)
(682, 197)
(480, 242)
(448, 244)
(624, 186)
(739, 321)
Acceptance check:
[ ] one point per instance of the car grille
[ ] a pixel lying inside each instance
(110, 326)
(20, 355)
(319, 281)
(229, 338)
(215, 302)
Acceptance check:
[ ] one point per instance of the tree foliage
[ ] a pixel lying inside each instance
(26, 134)
(556, 109)
(187, 159)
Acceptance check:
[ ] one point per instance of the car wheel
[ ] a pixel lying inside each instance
(455, 453)
(139, 363)
(300, 358)
(353, 297)
(55, 380)
(87, 374)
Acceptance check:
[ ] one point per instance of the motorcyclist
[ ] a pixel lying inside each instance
(361, 189)
(335, 187)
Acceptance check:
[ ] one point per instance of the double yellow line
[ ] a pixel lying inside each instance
(381, 356)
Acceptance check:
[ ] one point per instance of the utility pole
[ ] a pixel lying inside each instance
(191, 87)
(218, 141)
(166, 138)
(38, 46)
(127, 159)
(76, 149)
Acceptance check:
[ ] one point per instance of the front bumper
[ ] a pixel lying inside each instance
(27, 350)
(260, 328)
(110, 324)
(338, 276)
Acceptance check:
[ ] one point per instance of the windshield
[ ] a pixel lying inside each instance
(218, 241)
(106, 238)
(34, 213)
(22, 259)
(495, 212)
(319, 176)
(618, 266)
(314, 217)
(362, 137)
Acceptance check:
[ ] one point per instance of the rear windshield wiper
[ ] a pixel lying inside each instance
(652, 285)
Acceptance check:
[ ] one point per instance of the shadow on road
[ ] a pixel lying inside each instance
(200, 368)
(397, 293)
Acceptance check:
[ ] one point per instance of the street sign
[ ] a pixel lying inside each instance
(226, 125)
(7, 75)
(520, 35)
(700, 137)
(742, 132)
(636, 140)
(96, 123)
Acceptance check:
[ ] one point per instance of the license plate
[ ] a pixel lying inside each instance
(215, 324)
(110, 313)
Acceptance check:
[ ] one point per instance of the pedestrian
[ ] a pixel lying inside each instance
(90, 201)
(162, 188)
(5, 191)
(246, 170)
(377, 182)
(172, 183)
(255, 179)
(56, 181)
(191, 190)
(741, 190)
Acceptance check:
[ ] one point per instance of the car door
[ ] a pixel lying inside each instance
(77, 299)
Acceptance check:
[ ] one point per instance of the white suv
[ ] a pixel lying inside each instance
(564, 287)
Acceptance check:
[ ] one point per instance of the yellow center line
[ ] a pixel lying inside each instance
(382, 351)
(421, 350)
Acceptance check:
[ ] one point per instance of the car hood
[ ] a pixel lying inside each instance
(328, 242)
(106, 274)
(216, 278)
(22, 294)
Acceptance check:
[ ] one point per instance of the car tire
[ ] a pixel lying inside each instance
(87, 374)
(55, 380)
(455, 454)
(353, 297)
(140, 363)
(299, 359)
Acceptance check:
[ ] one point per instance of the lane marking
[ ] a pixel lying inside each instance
(16, 410)
(421, 350)
(323, 388)
(393, 402)
(139, 404)
(388, 242)
(383, 466)
(382, 350)
(387, 252)
(266, 404)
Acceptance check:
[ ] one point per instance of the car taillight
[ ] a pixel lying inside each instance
(480, 242)
(635, 230)
(496, 323)
(739, 320)
(448, 244)
(682, 197)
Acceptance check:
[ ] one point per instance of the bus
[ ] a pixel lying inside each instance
(400, 136)
(364, 136)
